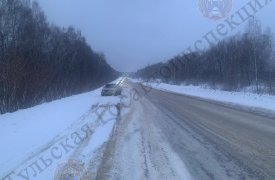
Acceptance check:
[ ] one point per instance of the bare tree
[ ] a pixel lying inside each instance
(233, 63)
(41, 62)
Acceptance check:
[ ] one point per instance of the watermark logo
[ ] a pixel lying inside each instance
(215, 9)
(71, 170)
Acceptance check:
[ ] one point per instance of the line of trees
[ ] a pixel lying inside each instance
(242, 60)
(40, 62)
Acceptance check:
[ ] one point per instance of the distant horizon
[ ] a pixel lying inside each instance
(133, 35)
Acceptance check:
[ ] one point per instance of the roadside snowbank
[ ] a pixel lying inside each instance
(27, 135)
(264, 102)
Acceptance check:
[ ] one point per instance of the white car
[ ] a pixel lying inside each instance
(111, 90)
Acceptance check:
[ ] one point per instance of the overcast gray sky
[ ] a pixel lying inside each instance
(135, 33)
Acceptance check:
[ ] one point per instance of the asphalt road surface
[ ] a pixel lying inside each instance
(170, 136)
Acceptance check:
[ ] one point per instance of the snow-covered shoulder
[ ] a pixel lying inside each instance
(54, 131)
(263, 102)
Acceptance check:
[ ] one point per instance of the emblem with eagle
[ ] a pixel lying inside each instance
(215, 9)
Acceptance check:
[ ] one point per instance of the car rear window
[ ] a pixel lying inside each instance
(110, 85)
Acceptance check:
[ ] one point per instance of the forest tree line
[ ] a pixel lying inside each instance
(240, 61)
(40, 62)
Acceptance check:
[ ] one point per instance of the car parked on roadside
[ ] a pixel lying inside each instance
(111, 89)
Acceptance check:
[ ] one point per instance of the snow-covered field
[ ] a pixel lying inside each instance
(35, 141)
(258, 102)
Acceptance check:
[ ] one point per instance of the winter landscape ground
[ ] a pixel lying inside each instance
(138, 143)
(142, 90)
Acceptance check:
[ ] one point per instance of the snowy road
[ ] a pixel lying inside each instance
(171, 136)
